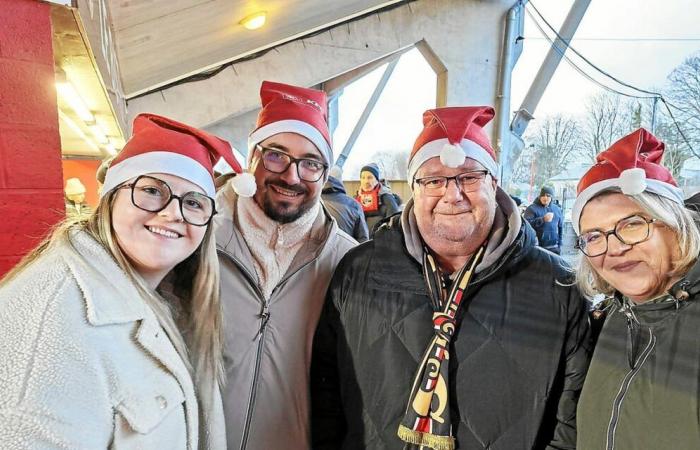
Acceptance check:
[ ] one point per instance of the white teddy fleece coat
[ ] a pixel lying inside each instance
(84, 363)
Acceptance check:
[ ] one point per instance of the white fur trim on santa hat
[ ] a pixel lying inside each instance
(159, 162)
(434, 148)
(291, 126)
(667, 190)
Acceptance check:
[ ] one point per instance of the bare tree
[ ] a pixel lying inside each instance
(523, 165)
(608, 118)
(684, 93)
(392, 163)
(556, 145)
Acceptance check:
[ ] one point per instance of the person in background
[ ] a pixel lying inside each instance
(344, 209)
(101, 173)
(376, 199)
(640, 249)
(547, 220)
(111, 328)
(277, 250)
(75, 199)
(451, 328)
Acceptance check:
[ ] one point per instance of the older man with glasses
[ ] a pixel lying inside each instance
(451, 329)
(277, 251)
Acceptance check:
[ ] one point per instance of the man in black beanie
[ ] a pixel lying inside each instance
(547, 220)
(376, 199)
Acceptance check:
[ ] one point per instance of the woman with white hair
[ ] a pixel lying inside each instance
(111, 328)
(640, 248)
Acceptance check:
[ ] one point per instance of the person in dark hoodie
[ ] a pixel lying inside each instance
(547, 220)
(344, 209)
(376, 199)
(451, 328)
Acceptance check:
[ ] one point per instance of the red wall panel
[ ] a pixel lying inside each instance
(31, 181)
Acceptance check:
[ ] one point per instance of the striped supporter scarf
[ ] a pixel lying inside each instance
(427, 422)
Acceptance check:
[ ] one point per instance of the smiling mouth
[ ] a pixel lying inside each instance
(162, 232)
(286, 192)
(453, 213)
(625, 267)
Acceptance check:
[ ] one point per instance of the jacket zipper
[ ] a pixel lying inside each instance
(265, 318)
(624, 386)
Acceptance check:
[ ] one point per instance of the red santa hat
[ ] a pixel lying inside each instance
(293, 109)
(631, 165)
(162, 145)
(453, 134)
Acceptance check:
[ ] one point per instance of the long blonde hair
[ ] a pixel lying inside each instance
(682, 221)
(196, 284)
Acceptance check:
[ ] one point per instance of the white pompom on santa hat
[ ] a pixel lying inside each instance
(162, 145)
(631, 165)
(453, 134)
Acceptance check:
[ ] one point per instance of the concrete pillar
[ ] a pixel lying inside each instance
(31, 186)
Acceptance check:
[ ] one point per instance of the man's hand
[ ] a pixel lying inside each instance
(548, 217)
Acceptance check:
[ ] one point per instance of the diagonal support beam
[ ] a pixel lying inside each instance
(366, 113)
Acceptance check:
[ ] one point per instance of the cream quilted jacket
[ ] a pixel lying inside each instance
(84, 363)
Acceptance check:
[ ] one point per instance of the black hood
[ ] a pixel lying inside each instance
(333, 185)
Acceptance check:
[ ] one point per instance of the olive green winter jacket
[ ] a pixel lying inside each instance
(642, 390)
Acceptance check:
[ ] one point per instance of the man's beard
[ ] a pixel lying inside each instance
(279, 211)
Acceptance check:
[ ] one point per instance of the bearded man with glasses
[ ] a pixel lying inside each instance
(451, 329)
(277, 252)
(639, 246)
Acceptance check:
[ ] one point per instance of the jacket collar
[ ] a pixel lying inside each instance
(689, 285)
(504, 233)
(392, 272)
(230, 239)
(110, 296)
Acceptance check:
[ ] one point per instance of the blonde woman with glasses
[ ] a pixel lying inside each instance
(639, 248)
(111, 328)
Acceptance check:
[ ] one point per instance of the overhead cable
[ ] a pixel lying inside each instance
(651, 94)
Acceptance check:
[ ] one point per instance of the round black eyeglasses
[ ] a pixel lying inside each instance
(154, 195)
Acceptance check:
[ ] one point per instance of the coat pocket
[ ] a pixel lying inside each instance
(147, 404)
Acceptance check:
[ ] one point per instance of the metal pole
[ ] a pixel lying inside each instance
(549, 66)
(512, 48)
(653, 116)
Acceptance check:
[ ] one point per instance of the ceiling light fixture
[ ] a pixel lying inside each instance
(255, 20)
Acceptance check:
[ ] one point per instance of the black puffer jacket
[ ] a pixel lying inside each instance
(388, 206)
(518, 358)
(344, 209)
